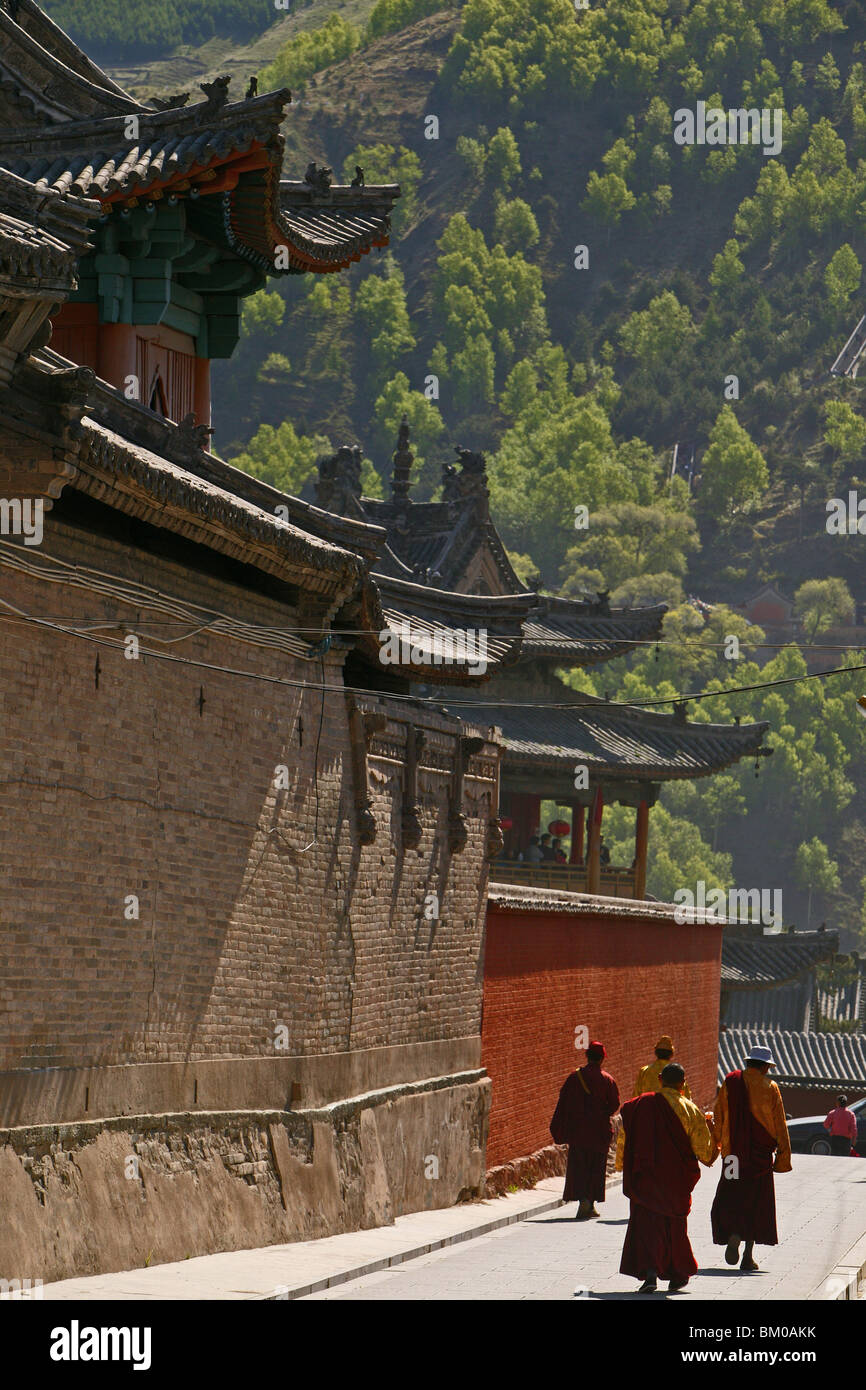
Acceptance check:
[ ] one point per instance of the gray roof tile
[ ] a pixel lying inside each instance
(805, 1059)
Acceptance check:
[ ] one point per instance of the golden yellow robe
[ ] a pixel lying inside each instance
(691, 1117)
(649, 1078)
(765, 1103)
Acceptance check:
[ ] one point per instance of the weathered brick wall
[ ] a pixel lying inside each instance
(258, 907)
(627, 978)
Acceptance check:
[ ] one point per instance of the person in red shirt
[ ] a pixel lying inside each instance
(841, 1124)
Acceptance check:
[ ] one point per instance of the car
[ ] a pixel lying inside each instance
(809, 1136)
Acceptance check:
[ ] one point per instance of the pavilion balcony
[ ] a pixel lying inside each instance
(612, 882)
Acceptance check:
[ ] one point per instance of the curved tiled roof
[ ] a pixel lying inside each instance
(751, 962)
(786, 1006)
(44, 75)
(617, 741)
(227, 155)
(567, 628)
(232, 167)
(41, 236)
(467, 637)
(802, 1059)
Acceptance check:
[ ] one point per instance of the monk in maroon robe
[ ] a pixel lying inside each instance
(750, 1120)
(664, 1135)
(582, 1120)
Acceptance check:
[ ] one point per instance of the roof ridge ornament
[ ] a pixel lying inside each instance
(403, 459)
(172, 103)
(470, 483)
(190, 440)
(319, 177)
(338, 488)
(217, 93)
(602, 603)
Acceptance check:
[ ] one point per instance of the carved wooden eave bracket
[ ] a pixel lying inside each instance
(41, 436)
(411, 826)
(458, 830)
(363, 726)
(495, 838)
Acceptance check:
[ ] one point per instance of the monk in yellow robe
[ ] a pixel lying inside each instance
(749, 1119)
(662, 1140)
(649, 1077)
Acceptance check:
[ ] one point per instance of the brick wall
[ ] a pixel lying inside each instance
(257, 907)
(627, 976)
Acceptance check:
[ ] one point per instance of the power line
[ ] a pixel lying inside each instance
(594, 704)
(631, 642)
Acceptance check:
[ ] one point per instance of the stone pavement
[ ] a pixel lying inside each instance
(821, 1209)
(527, 1246)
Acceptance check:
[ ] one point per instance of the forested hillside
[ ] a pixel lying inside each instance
(575, 292)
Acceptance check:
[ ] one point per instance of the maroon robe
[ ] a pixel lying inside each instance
(659, 1172)
(745, 1205)
(582, 1121)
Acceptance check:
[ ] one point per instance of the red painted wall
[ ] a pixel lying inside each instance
(628, 979)
(803, 1102)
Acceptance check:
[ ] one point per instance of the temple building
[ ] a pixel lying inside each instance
(192, 212)
(577, 751)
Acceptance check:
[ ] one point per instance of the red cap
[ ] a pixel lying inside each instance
(597, 1047)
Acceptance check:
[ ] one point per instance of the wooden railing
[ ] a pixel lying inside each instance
(614, 883)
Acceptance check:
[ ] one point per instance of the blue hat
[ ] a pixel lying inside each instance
(761, 1054)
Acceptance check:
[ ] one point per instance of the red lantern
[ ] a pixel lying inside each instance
(505, 822)
(558, 828)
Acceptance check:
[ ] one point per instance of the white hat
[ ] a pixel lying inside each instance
(761, 1054)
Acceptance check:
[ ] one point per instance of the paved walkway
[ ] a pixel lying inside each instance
(821, 1210)
(526, 1246)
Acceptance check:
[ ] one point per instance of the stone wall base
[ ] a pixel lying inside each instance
(129, 1191)
(549, 1162)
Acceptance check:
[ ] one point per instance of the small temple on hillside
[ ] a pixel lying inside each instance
(577, 751)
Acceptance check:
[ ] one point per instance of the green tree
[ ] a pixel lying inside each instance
(262, 313)
(309, 52)
(514, 224)
(628, 539)
(842, 277)
(822, 603)
(655, 334)
(733, 470)
(503, 159)
(389, 16)
(827, 79)
(727, 269)
(473, 154)
(380, 302)
(282, 457)
(426, 424)
(472, 368)
(844, 431)
(607, 198)
(815, 871)
(384, 163)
